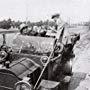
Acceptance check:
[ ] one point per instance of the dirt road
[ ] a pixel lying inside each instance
(81, 64)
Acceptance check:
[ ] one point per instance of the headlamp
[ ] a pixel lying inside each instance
(23, 85)
(44, 60)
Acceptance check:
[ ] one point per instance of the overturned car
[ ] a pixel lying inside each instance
(35, 63)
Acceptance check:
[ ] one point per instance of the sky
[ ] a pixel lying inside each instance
(72, 11)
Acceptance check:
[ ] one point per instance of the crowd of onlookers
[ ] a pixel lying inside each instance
(35, 30)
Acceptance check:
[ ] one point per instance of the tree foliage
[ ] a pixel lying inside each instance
(6, 24)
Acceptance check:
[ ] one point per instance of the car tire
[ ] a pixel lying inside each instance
(68, 68)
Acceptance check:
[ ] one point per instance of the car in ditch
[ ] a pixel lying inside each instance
(35, 63)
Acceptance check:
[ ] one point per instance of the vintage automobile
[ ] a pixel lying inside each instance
(35, 63)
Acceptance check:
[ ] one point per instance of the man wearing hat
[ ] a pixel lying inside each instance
(59, 25)
(23, 29)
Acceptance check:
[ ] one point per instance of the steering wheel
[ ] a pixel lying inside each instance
(59, 47)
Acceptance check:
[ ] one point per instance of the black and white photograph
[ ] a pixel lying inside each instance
(44, 44)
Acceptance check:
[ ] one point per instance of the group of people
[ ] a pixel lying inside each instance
(42, 30)
(33, 30)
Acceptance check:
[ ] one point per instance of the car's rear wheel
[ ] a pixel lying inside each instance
(68, 68)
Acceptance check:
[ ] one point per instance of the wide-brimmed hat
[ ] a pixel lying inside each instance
(55, 15)
(23, 26)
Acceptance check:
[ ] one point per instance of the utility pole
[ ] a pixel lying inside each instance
(26, 11)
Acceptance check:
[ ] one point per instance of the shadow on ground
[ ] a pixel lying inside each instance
(75, 81)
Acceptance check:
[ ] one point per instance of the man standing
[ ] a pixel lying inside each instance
(59, 26)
